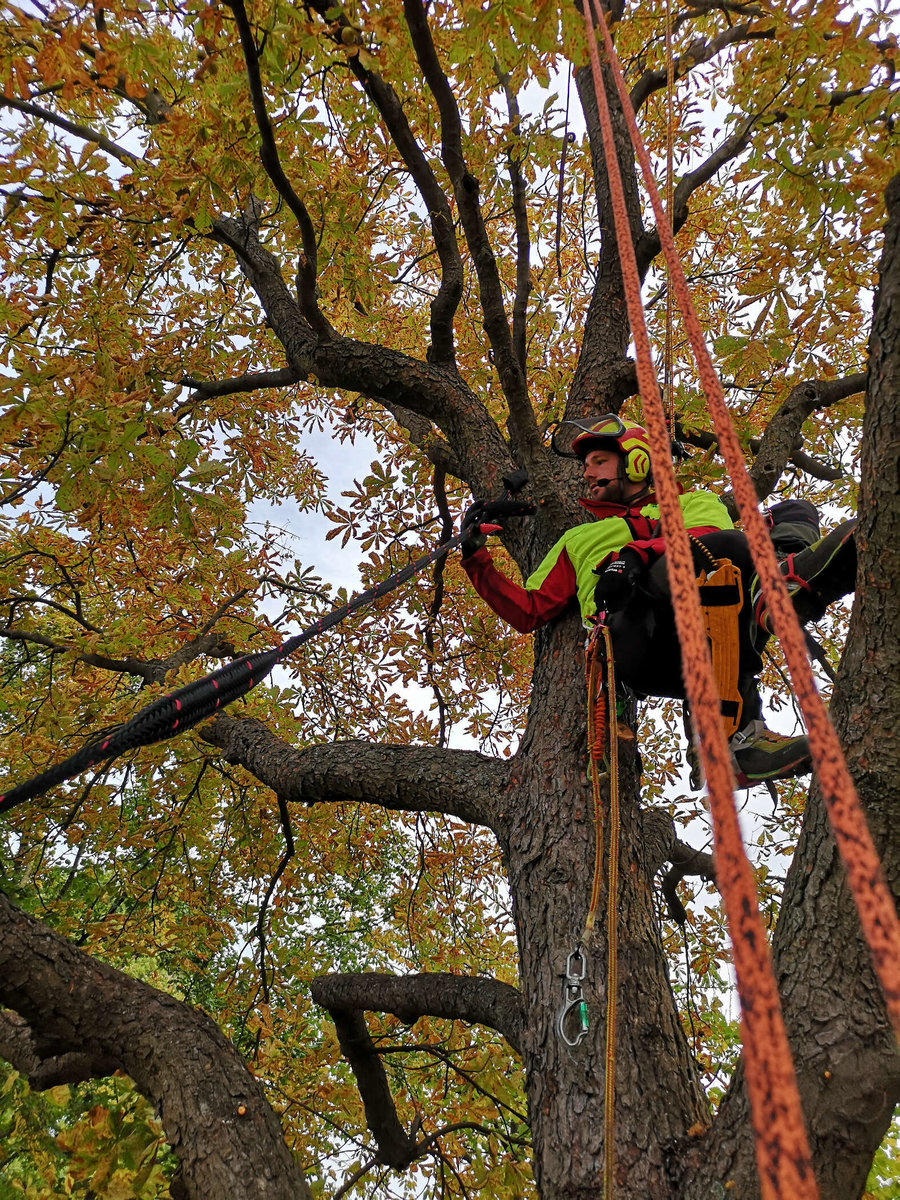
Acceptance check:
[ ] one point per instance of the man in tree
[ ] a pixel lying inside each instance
(616, 566)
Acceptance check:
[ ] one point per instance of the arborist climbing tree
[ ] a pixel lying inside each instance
(615, 570)
(336, 898)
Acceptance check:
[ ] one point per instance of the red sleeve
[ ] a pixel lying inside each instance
(650, 549)
(520, 607)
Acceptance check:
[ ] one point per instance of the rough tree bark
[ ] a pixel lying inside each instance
(538, 804)
(83, 1019)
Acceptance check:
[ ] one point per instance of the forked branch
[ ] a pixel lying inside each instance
(269, 157)
(522, 423)
(454, 997)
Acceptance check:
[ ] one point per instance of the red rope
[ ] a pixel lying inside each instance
(874, 902)
(783, 1157)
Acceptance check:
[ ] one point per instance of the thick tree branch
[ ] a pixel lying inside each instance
(700, 51)
(396, 1148)
(208, 389)
(386, 101)
(685, 861)
(453, 997)
(41, 1064)
(263, 272)
(215, 1114)
(476, 1000)
(268, 156)
(387, 376)
(522, 422)
(460, 783)
(781, 440)
(80, 131)
(660, 846)
(520, 210)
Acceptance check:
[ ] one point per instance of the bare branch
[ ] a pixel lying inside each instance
(130, 666)
(603, 368)
(461, 783)
(207, 389)
(700, 51)
(781, 441)
(523, 425)
(80, 131)
(474, 999)
(268, 156)
(75, 615)
(453, 997)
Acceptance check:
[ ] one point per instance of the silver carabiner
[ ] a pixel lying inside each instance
(573, 1000)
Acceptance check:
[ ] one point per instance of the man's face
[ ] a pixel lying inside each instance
(600, 465)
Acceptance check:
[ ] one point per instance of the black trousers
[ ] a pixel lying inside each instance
(645, 643)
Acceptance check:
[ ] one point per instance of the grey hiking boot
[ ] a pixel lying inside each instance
(759, 754)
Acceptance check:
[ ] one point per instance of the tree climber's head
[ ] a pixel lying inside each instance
(616, 459)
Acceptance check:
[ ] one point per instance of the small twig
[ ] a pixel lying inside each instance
(285, 818)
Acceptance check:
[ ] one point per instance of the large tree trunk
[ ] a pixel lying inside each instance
(549, 850)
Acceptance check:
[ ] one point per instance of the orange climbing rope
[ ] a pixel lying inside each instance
(877, 914)
(603, 734)
(668, 353)
(783, 1156)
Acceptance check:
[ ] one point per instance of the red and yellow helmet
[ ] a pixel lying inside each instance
(611, 432)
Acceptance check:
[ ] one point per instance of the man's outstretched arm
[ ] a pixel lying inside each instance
(524, 608)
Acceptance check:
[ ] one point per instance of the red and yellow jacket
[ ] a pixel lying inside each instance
(567, 571)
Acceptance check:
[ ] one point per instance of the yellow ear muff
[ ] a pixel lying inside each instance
(637, 462)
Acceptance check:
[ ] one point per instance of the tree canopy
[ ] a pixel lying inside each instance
(236, 236)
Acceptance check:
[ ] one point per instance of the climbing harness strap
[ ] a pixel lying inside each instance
(721, 600)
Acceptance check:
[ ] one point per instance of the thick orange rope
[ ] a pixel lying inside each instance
(782, 1151)
(668, 380)
(877, 914)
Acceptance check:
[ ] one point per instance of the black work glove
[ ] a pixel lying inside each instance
(616, 581)
(473, 538)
